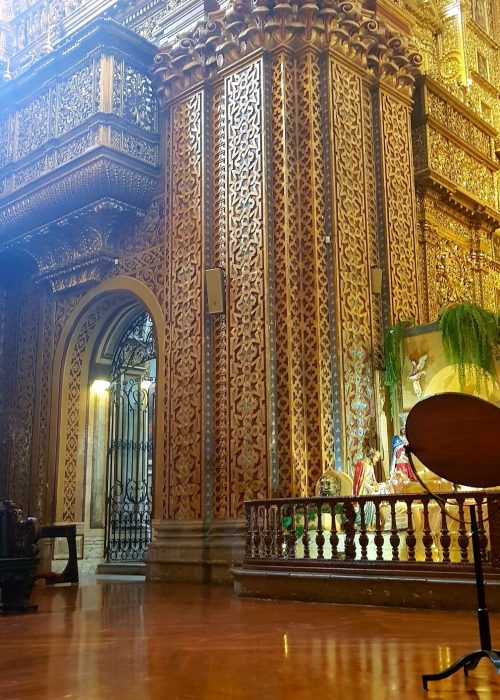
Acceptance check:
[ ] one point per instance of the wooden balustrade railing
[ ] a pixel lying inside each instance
(400, 530)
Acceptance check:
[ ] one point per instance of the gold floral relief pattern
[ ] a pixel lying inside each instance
(353, 198)
(454, 279)
(24, 399)
(221, 468)
(142, 253)
(399, 204)
(76, 100)
(246, 280)
(162, 500)
(185, 466)
(46, 348)
(291, 411)
(458, 123)
(146, 233)
(315, 320)
(460, 167)
(73, 414)
(374, 258)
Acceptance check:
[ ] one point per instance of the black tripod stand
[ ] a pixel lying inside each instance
(470, 661)
(445, 431)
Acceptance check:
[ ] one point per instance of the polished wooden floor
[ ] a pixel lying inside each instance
(130, 640)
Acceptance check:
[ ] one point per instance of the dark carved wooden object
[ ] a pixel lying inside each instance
(18, 559)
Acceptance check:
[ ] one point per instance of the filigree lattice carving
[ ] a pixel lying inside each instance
(354, 196)
(247, 322)
(185, 459)
(399, 202)
(77, 98)
(73, 414)
(461, 168)
(291, 419)
(21, 427)
(454, 281)
(315, 312)
(220, 500)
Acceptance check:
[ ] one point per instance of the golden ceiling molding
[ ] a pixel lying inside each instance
(247, 26)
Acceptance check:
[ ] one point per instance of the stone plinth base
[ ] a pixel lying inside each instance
(196, 552)
(446, 590)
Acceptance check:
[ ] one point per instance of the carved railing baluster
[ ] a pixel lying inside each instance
(255, 532)
(394, 539)
(363, 535)
(248, 531)
(292, 538)
(305, 536)
(267, 533)
(463, 538)
(427, 539)
(483, 540)
(320, 540)
(379, 538)
(305, 530)
(350, 515)
(411, 540)
(334, 538)
(279, 533)
(445, 539)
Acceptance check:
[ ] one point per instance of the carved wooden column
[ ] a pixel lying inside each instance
(354, 246)
(241, 365)
(392, 107)
(303, 350)
(428, 239)
(185, 305)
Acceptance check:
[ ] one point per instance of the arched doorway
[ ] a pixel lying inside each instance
(129, 463)
(106, 436)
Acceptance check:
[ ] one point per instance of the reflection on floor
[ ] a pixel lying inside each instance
(127, 640)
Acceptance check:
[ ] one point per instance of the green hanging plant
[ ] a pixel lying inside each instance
(469, 335)
(393, 360)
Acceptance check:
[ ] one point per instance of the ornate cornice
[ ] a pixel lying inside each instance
(82, 125)
(78, 249)
(247, 26)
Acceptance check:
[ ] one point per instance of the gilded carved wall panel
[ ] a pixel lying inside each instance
(72, 498)
(21, 428)
(303, 352)
(186, 340)
(220, 454)
(315, 339)
(41, 428)
(247, 287)
(399, 197)
(355, 252)
(290, 400)
(460, 167)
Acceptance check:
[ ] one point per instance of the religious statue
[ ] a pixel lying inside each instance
(365, 484)
(400, 461)
(329, 484)
(416, 374)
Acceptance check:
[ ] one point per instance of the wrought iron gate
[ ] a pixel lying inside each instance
(129, 474)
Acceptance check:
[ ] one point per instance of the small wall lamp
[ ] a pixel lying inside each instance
(99, 386)
(376, 280)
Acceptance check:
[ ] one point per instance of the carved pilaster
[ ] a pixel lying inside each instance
(185, 382)
(354, 243)
(427, 244)
(393, 114)
(303, 352)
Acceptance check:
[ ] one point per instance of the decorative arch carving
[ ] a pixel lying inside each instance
(70, 374)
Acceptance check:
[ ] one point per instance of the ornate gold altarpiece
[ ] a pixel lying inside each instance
(286, 146)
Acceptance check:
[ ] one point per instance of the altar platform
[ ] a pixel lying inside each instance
(133, 640)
